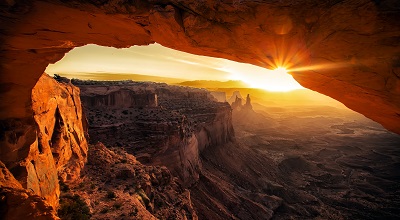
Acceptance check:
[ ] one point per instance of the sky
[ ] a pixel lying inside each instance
(159, 61)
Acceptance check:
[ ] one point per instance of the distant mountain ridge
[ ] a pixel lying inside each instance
(104, 76)
(215, 84)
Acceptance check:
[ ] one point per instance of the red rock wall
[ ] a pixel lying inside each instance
(31, 164)
(58, 114)
(52, 144)
(17, 203)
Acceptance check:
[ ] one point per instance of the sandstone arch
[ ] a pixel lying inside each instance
(360, 38)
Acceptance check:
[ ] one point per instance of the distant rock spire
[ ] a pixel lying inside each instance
(237, 104)
(248, 103)
(235, 94)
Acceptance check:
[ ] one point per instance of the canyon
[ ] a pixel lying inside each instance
(171, 128)
(32, 182)
(158, 151)
(311, 165)
(165, 126)
(347, 50)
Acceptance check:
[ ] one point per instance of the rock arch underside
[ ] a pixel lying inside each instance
(348, 50)
(356, 42)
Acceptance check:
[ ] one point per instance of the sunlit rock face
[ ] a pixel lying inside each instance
(18, 203)
(49, 146)
(61, 125)
(348, 50)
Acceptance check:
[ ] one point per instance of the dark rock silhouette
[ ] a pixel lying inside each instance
(238, 106)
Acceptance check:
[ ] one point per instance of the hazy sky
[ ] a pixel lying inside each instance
(156, 60)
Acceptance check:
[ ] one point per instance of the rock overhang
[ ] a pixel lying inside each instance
(359, 38)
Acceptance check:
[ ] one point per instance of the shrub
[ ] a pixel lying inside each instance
(111, 195)
(81, 185)
(133, 212)
(117, 205)
(63, 186)
(73, 208)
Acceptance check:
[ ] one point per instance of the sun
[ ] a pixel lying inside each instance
(281, 70)
(276, 80)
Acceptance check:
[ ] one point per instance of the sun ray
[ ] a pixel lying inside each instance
(324, 66)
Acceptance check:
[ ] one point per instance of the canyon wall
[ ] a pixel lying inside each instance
(185, 122)
(181, 153)
(121, 99)
(49, 146)
(217, 133)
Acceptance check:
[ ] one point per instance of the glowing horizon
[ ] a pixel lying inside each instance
(158, 61)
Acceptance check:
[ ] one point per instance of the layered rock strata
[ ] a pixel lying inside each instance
(173, 134)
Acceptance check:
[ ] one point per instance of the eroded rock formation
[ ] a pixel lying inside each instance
(18, 203)
(49, 146)
(248, 105)
(173, 134)
(58, 114)
(350, 48)
(237, 104)
(235, 95)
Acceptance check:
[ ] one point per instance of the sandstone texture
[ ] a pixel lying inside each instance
(7, 179)
(173, 133)
(49, 146)
(18, 203)
(61, 125)
(348, 50)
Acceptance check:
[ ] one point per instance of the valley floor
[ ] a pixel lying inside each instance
(338, 165)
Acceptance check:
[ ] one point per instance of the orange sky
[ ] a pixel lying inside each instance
(156, 60)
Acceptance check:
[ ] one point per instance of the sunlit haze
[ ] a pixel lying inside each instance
(158, 61)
